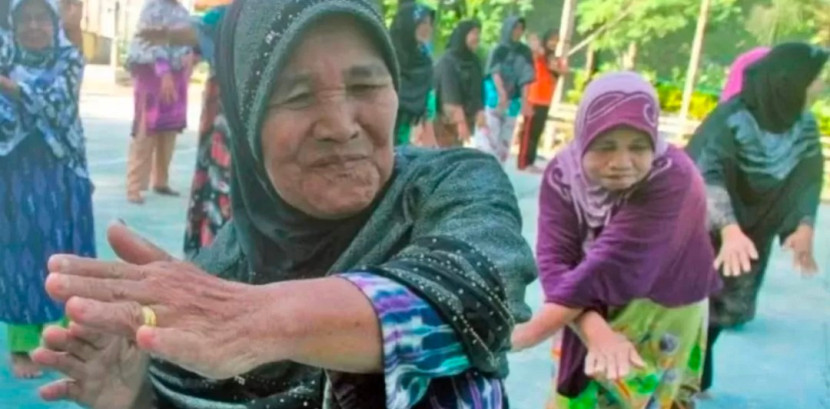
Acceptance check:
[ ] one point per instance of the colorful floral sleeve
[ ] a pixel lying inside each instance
(417, 345)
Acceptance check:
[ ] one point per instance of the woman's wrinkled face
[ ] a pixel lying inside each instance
(619, 158)
(34, 25)
(327, 134)
(518, 32)
(473, 39)
(424, 31)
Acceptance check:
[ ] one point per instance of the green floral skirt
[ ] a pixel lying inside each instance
(671, 341)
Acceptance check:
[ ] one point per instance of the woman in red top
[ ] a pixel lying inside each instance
(548, 70)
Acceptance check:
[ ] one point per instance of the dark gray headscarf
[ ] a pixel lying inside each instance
(276, 237)
(512, 60)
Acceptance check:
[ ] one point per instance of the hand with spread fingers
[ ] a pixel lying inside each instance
(103, 371)
(170, 309)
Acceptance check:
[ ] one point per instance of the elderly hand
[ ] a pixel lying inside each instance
(103, 371)
(801, 244)
(203, 323)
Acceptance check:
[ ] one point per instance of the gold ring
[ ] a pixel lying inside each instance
(149, 316)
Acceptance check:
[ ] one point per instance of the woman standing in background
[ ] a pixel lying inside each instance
(761, 158)
(411, 32)
(459, 83)
(548, 70)
(161, 74)
(45, 190)
(509, 73)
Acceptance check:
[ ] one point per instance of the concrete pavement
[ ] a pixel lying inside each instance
(779, 361)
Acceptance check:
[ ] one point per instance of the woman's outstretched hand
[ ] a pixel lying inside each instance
(736, 252)
(102, 371)
(203, 323)
(800, 243)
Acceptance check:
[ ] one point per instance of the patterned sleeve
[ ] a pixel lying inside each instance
(418, 345)
(719, 207)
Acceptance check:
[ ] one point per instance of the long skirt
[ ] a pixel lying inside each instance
(210, 202)
(531, 134)
(151, 115)
(670, 340)
(45, 209)
(497, 137)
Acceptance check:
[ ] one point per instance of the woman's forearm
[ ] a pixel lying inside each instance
(327, 323)
(550, 320)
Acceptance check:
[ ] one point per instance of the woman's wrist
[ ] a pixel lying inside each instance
(730, 230)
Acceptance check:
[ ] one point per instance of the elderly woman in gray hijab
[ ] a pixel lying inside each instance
(351, 276)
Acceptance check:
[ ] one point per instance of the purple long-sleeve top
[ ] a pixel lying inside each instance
(654, 246)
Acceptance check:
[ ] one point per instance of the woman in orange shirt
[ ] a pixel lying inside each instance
(548, 70)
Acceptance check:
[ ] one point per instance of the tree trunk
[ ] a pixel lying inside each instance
(629, 58)
(694, 61)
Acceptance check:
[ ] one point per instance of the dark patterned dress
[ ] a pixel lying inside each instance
(210, 203)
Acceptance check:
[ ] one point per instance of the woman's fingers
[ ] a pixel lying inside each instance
(635, 358)
(63, 362)
(612, 370)
(87, 267)
(132, 248)
(64, 389)
(122, 319)
(623, 365)
(745, 263)
(63, 287)
(592, 365)
(60, 339)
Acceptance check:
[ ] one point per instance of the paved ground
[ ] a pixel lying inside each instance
(780, 361)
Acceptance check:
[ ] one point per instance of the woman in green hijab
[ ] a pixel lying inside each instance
(351, 275)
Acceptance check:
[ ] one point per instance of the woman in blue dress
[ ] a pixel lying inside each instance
(45, 190)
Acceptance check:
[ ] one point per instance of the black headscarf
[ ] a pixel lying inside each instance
(415, 61)
(279, 240)
(775, 88)
(459, 76)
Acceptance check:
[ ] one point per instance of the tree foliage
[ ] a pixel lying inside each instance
(780, 20)
(642, 21)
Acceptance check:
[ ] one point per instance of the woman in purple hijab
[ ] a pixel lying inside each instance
(623, 254)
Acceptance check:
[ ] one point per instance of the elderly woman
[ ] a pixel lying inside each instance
(621, 235)
(761, 157)
(349, 274)
(45, 190)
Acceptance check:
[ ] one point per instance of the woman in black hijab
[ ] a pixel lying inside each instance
(459, 87)
(350, 273)
(761, 158)
(411, 31)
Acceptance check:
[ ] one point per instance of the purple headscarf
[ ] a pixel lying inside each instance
(598, 249)
(610, 101)
(736, 71)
